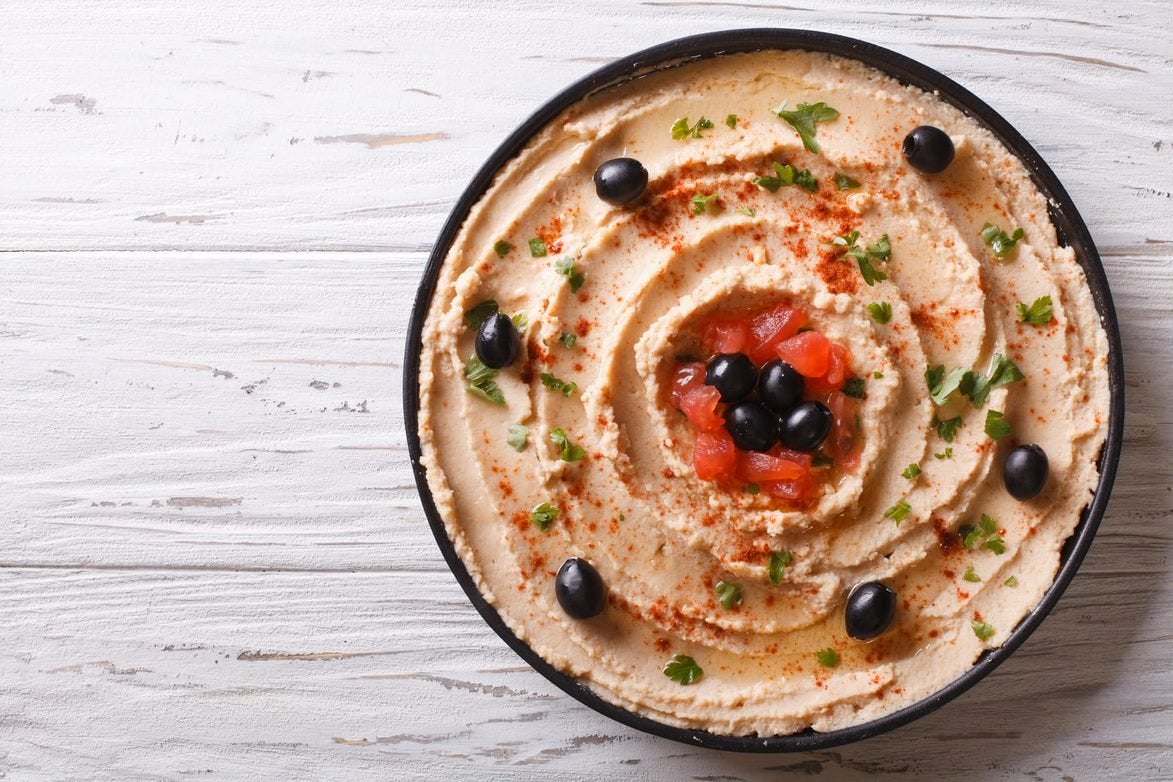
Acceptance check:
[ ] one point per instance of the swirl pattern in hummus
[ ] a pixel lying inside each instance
(660, 537)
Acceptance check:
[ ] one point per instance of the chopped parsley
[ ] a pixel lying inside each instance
(779, 561)
(683, 669)
(502, 248)
(880, 251)
(898, 512)
(821, 459)
(748, 211)
(1039, 313)
(544, 515)
(480, 381)
(997, 426)
(844, 182)
(1001, 243)
(566, 267)
(728, 594)
(1011, 582)
(787, 175)
(700, 203)
(971, 384)
(564, 387)
(971, 575)
(946, 454)
(985, 533)
(537, 247)
(805, 118)
(912, 471)
(947, 429)
(942, 385)
(568, 339)
(828, 658)
(570, 451)
(881, 312)
(682, 130)
(806, 180)
(520, 321)
(983, 630)
(878, 375)
(854, 387)
(753, 488)
(480, 313)
(731, 120)
(518, 437)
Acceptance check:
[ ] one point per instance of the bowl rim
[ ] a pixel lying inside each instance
(1071, 229)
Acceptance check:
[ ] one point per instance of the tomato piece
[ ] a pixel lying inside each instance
(798, 457)
(771, 326)
(799, 490)
(686, 377)
(700, 405)
(758, 467)
(808, 352)
(714, 455)
(842, 443)
(725, 335)
(838, 370)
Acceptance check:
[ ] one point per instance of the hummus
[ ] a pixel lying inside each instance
(643, 277)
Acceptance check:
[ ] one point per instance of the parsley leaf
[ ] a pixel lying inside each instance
(682, 130)
(489, 391)
(568, 339)
(480, 313)
(941, 385)
(898, 512)
(996, 544)
(728, 594)
(997, 426)
(828, 658)
(880, 251)
(806, 180)
(748, 211)
(912, 471)
(1001, 243)
(805, 118)
(1039, 313)
(566, 267)
(544, 515)
(700, 203)
(946, 454)
(844, 182)
(1011, 582)
(520, 321)
(570, 451)
(518, 437)
(502, 248)
(881, 312)
(480, 381)
(983, 630)
(1003, 372)
(971, 575)
(854, 387)
(947, 429)
(683, 669)
(779, 561)
(878, 375)
(753, 488)
(731, 120)
(565, 387)
(786, 174)
(987, 532)
(537, 247)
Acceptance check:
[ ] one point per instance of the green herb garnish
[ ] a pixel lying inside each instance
(1001, 243)
(821, 459)
(878, 375)
(986, 532)
(753, 488)
(748, 211)
(805, 118)
(544, 515)
(731, 120)
(946, 454)
(971, 575)
(502, 248)
(898, 512)
(844, 182)
(806, 180)
(520, 322)
(879, 251)
(1011, 582)
(1039, 313)
(568, 339)
(787, 175)
(564, 387)
(997, 426)
(518, 437)
(728, 594)
(779, 561)
(1003, 372)
(480, 313)
(854, 387)
(942, 385)
(881, 312)
(983, 630)
(700, 203)
(566, 267)
(682, 130)
(480, 381)
(570, 451)
(828, 658)
(912, 471)
(683, 669)
(947, 429)
(537, 247)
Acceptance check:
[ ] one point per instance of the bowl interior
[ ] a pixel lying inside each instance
(1071, 231)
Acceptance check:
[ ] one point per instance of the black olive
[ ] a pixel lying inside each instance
(498, 344)
(752, 426)
(1025, 471)
(870, 609)
(620, 180)
(806, 426)
(928, 149)
(733, 374)
(580, 589)
(781, 386)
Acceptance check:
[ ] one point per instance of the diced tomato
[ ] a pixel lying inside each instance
(714, 456)
(758, 467)
(808, 352)
(771, 326)
(842, 444)
(799, 490)
(838, 370)
(687, 377)
(725, 335)
(700, 405)
(782, 452)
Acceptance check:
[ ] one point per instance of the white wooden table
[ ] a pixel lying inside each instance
(212, 559)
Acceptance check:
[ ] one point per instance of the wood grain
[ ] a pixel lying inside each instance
(213, 561)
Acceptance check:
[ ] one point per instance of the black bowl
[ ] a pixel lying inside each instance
(1071, 230)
